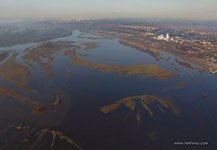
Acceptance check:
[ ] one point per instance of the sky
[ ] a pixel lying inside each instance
(175, 9)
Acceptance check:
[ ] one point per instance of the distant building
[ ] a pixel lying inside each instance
(161, 37)
(167, 37)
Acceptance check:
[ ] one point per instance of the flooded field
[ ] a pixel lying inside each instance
(92, 93)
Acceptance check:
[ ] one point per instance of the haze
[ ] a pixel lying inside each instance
(185, 9)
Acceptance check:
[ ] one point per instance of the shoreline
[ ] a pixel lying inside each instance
(204, 65)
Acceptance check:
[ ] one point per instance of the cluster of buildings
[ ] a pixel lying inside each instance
(199, 46)
(162, 37)
(66, 19)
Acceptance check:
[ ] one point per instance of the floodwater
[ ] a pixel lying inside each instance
(90, 92)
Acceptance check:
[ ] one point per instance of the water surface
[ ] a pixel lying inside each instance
(180, 103)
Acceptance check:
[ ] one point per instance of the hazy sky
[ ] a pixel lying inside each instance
(186, 9)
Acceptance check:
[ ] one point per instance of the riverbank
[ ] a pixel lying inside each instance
(205, 65)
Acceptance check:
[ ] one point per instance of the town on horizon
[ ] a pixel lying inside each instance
(108, 75)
